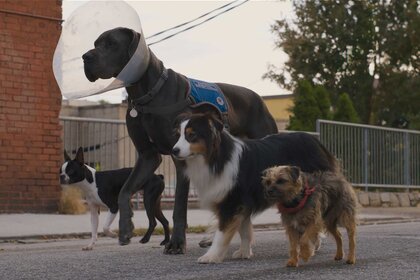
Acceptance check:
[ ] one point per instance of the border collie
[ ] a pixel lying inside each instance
(101, 189)
(227, 173)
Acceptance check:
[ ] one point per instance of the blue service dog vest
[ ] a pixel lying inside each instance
(209, 93)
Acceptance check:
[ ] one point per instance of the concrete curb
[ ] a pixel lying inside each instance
(28, 239)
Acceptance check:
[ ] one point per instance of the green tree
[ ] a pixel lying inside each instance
(322, 98)
(310, 103)
(369, 49)
(344, 111)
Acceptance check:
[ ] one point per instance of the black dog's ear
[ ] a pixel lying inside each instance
(66, 156)
(79, 156)
(294, 173)
(134, 42)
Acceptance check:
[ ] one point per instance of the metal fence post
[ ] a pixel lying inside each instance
(318, 128)
(365, 158)
(137, 200)
(407, 160)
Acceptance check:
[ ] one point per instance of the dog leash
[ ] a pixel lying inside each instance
(292, 210)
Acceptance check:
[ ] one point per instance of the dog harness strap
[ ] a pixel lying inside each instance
(307, 192)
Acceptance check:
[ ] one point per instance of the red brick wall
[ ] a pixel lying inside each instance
(30, 133)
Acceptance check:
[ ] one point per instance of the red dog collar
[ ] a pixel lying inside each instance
(286, 210)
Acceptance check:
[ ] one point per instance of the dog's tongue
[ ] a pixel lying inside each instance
(79, 32)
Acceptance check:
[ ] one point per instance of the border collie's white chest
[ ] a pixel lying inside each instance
(212, 188)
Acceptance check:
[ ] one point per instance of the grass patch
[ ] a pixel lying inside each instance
(159, 230)
(71, 201)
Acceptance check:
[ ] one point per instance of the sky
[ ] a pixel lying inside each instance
(235, 47)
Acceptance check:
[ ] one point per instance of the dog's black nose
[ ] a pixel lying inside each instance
(87, 57)
(175, 151)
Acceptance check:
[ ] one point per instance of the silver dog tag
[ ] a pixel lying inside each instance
(133, 113)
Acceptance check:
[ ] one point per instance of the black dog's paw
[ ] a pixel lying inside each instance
(164, 242)
(144, 240)
(123, 240)
(175, 247)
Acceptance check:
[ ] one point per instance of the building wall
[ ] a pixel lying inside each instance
(30, 101)
(279, 106)
(107, 144)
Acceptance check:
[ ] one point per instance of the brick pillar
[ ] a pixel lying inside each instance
(30, 101)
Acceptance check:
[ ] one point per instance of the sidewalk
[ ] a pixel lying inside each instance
(19, 226)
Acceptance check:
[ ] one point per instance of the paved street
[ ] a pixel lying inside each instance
(387, 251)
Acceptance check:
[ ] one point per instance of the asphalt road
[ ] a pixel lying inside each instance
(387, 251)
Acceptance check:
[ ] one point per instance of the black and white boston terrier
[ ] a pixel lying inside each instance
(101, 189)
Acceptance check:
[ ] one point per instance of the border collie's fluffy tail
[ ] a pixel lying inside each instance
(332, 160)
(321, 158)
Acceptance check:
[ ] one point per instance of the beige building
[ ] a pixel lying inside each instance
(101, 132)
(105, 140)
(279, 106)
(90, 109)
(103, 135)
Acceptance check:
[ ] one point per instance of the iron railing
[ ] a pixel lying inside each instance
(371, 156)
(374, 156)
(107, 146)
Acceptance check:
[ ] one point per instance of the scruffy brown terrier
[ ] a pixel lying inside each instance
(310, 204)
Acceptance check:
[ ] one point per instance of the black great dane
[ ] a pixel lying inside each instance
(157, 98)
